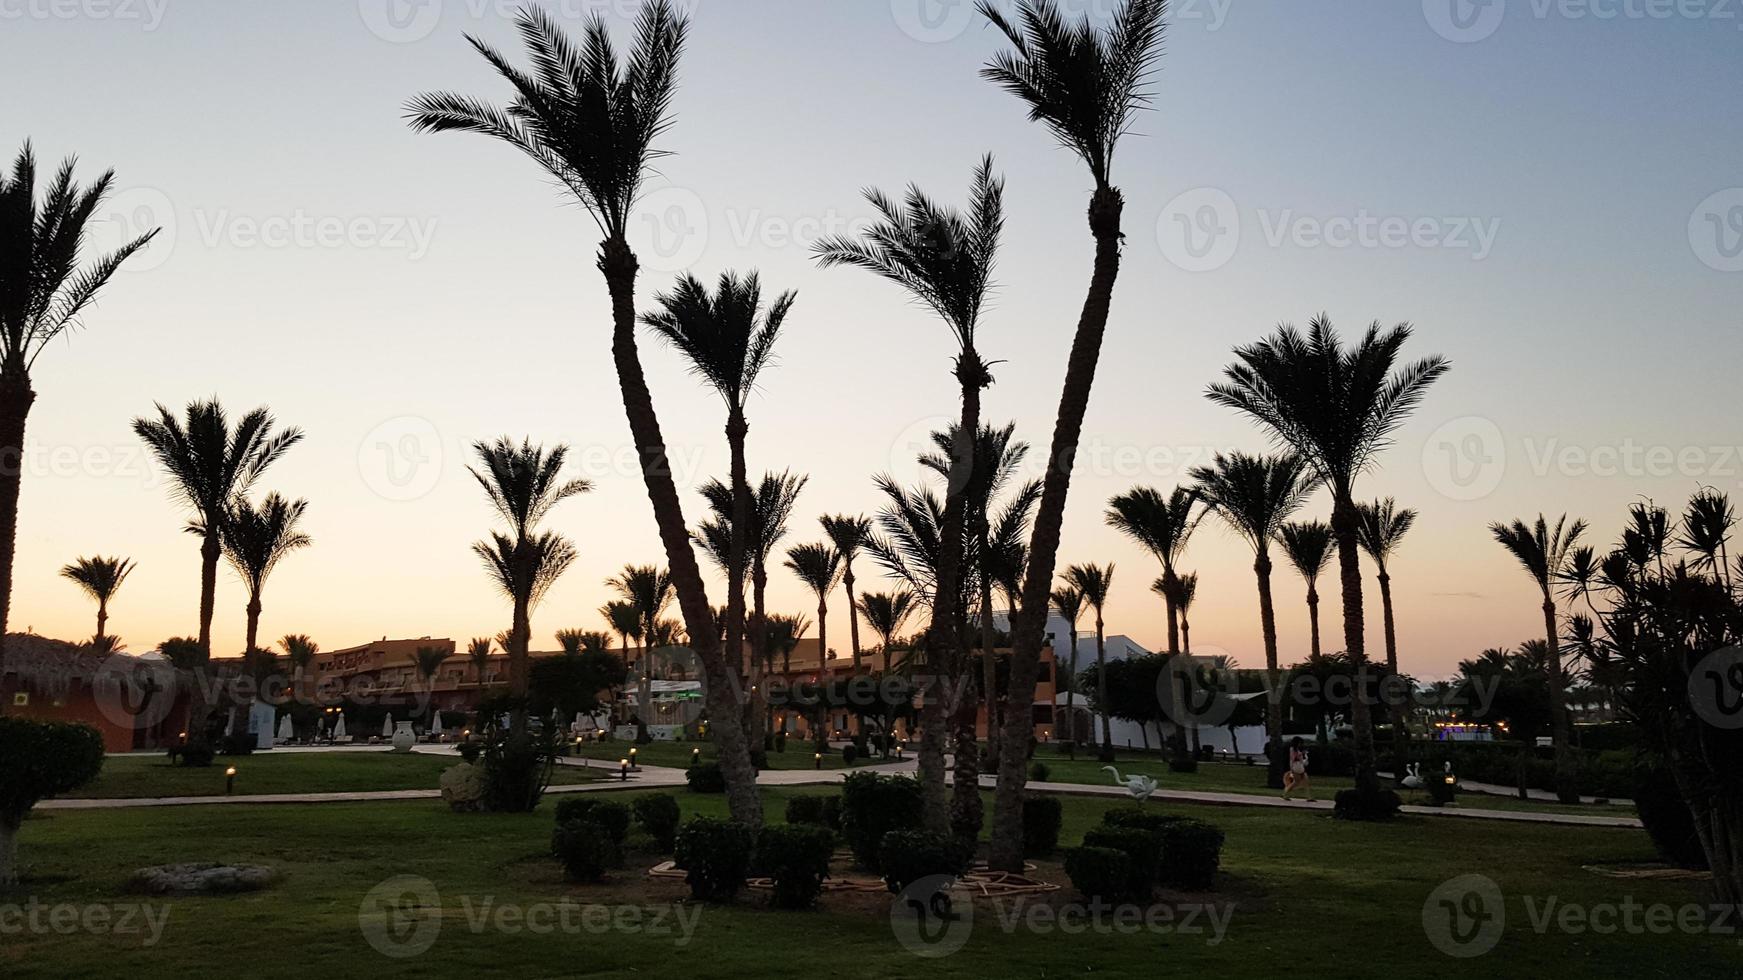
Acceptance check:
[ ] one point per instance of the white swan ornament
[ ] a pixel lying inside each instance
(1139, 786)
(1414, 778)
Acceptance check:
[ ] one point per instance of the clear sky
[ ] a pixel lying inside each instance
(1550, 192)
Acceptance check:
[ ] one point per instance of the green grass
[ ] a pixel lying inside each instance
(676, 755)
(1311, 896)
(151, 775)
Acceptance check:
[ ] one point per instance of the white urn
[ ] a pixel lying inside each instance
(403, 737)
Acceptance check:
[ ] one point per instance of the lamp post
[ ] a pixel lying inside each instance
(817, 759)
(623, 769)
(695, 756)
(632, 761)
(230, 781)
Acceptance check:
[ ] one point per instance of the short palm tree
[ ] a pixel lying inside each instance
(1254, 496)
(771, 508)
(1544, 552)
(255, 539)
(818, 566)
(1093, 582)
(1307, 545)
(300, 650)
(848, 533)
(1068, 599)
(886, 613)
(648, 590)
(478, 651)
(210, 465)
(1163, 525)
(785, 632)
(727, 338)
(626, 621)
(44, 294)
(1337, 407)
(1085, 85)
(524, 484)
(430, 660)
(100, 577)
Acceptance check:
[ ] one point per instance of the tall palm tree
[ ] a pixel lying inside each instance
(478, 651)
(1163, 525)
(1085, 85)
(44, 294)
(1093, 582)
(100, 577)
(255, 540)
(1068, 599)
(1337, 407)
(727, 339)
(1254, 496)
(647, 588)
(886, 613)
(1381, 529)
(818, 566)
(1543, 553)
(524, 484)
(848, 534)
(1307, 545)
(590, 118)
(430, 660)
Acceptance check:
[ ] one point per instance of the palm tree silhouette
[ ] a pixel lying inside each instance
(44, 293)
(818, 566)
(100, 577)
(1543, 553)
(1338, 408)
(478, 651)
(1307, 545)
(524, 484)
(255, 540)
(429, 660)
(1093, 582)
(886, 613)
(1254, 496)
(1163, 526)
(848, 534)
(1085, 85)
(648, 589)
(1382, 528)
(1068, 599)
(785, 632)
(1706, 532)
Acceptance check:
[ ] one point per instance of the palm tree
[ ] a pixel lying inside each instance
(478, 651)
(44, 293)
(300, 650)
(1254, 496)
(1381, 529)
(785, 632)
(1706, 532)
(590, 118)
(1163, 526)
(886, 613)
(626, 621)
(1085, 85)
(1069, 601)
(647, 589)
(100, 578)
(210, 465)
(819, 567)
(524, 484)
(1307, 545)
(1093, 582)
(728, 339)
(1337, 407)
(848, 534)
(429, 660)
(575, 642)
(1185, 592)
(1544, 553)
(255, 540)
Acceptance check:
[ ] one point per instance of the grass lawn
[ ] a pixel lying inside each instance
(1302, 895)
(676, 755)
(151, 775)
(1219, 777)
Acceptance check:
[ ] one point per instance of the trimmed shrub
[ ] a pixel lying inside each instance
(907, 856)
(586, 849)
(1143, 851)
(872, 805)
(821, 811)
(780, 741)
(849, 754)
(1038, 772)
(796, 856)
(1440, 792)
(197, 756)
(1138, 818)
(1353, 804)
(1042, 816)
(706, 777)
(1191, 854)
(658, 815)
(1099, 872)
(612, 817)
(517, 771)
(1185, 763)
(43, 759)
(242, 744)
(716, 856)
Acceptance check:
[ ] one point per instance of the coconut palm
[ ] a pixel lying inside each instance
(300, 650)
(1337, 407)
(1068, 599)
(44, 293)
(1382, 528)
(1254, 496)
(524, 484)
(1543, 553)
(647, 588)
(626, 621)
(848, 534)
(1085, 85)
(589, 117)
(100, 577)
(255, 540)
(727, 338)
(1093, 582)
(818, 566)
(575, 642)
(1163, 525)
(430, 659)
(784, 635)
(886, 613)
(478, 651)
(1307, 545)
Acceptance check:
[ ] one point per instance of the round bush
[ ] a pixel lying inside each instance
(706, 777)
(43, 759)
(1098, 872)
(611, 817)
(907, 856)
(1353, 804)
(1143, 851)
(849, 754)
(1038, 772)
(658, 815)
(1191, 854)
(716, 856)
(796, 856)
(1138, 818)
(872, 805)
(1042, 816)
(586, 849)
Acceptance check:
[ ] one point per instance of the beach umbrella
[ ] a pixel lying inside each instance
(339, 730)
(285, 733)
(387, 726)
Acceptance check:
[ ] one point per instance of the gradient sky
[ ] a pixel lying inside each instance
(428, 291)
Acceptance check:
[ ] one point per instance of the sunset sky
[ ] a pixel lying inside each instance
(1555, 201)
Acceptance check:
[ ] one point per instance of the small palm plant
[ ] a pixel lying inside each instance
(1094, 582)
(886, 613)
(101, 578)
(1307, 546)
(848, 534)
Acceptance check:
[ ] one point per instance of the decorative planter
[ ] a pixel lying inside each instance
(403, 736)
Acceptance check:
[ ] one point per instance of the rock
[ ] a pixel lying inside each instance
(463, 787)
(201, 879)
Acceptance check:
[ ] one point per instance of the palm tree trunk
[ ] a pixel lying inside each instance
(1567, 788)
(1101, 689)
(520, 635)
(966, 811)
(102, 616)
(1070, 698)
(1007, 837)
(852, 616)
(756, 710)
(199, 708)
(619, 266)
(736, 431)
(989, 665)
(1274, 756)
(16, 398)
(1178, 676)
(1343, 525)
(1398, 713)
(1313, 618)
(820, 737)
